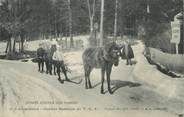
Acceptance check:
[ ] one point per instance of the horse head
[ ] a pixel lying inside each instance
(112, 53)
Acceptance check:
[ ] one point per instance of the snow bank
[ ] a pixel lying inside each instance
(173, 62)
(161, 83)
(23, 88)
(74, 61)
(33, 45)
(2, 47)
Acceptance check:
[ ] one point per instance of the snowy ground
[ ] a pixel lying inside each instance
(139, 91)
(33, 45)
(2, 47)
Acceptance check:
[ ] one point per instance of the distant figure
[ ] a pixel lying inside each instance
(58, 60)
(127, 53)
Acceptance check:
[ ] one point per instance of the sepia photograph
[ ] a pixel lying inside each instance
(92, 58)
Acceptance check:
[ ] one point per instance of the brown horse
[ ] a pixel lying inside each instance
(101, 57)
(48, 60)
(40, 59)
(45, 55)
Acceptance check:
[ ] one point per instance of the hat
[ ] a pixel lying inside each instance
(59, 48)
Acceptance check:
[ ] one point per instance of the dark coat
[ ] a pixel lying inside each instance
(40, 53)
(127, 52)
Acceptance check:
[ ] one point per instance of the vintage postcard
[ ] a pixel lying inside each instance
(91, 58)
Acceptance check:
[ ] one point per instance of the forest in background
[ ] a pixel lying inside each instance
(32, 19)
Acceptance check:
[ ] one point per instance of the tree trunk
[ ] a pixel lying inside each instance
(66, 44)
(50, 28)
(183, 26)
(7, 46)
(91, 25)
(92, 39)
(22, 43)
(19, 47)
(101, 23)
(91, 14)
(70, 24)
(10, 46)
(43, 36)
(14, 44)
(55, 27)
(115, 20)
(122, 18)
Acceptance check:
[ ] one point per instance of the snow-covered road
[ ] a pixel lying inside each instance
(23, 87)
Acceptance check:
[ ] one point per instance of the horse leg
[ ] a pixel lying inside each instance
(86, 75)
(127, 61)
(50, 68)
(108, 73)
(39, 62)
(42, 64)
(47, 67)
(64, 71)
(54, 65)
(86, 84)
(102, 80)
(88, 78)
(130, 61)
(54, 69)
(58, 72)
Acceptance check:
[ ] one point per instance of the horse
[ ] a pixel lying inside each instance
(40, 59)
(44, 55)
(48, 60)
(100, 57)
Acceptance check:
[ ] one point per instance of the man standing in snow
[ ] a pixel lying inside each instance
(127, 53)
(59, 63)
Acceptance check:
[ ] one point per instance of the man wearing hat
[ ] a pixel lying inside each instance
(127, 52)
(59, 63)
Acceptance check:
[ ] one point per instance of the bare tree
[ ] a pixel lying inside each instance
(183, 20)
(14, 21)
(70, 24)
(101, 23)
(115, 20)
(91, 14)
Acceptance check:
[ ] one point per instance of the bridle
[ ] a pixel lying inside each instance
(110, 54)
